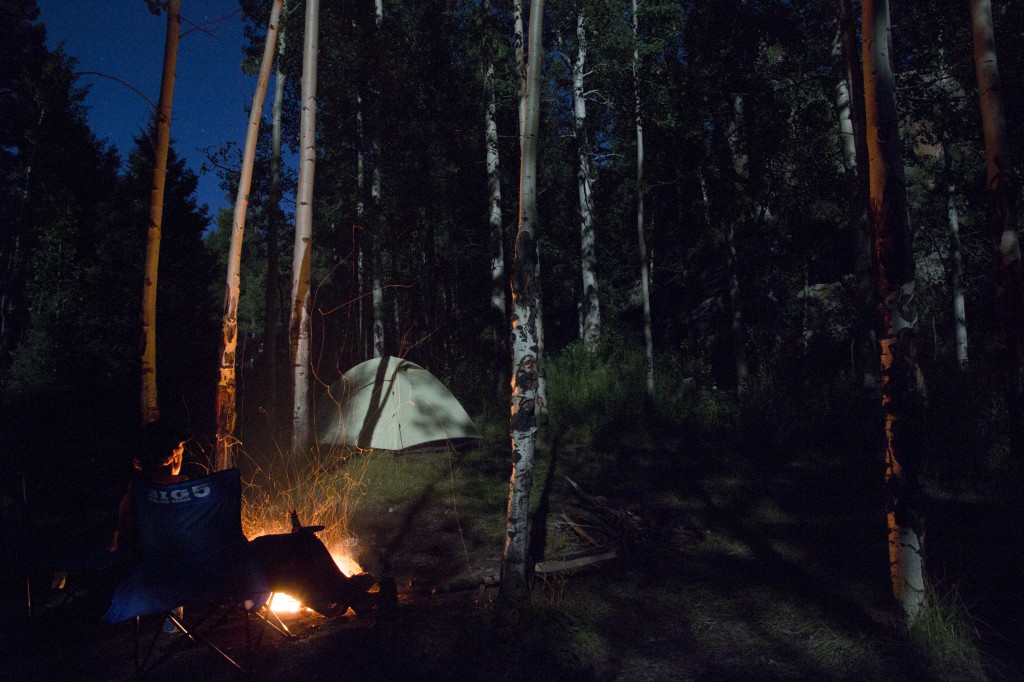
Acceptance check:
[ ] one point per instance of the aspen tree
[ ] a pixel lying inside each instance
(903, 397)
(591, 306)
(224, 457)
(525, 352)
(645, 277)
(149, 400)
(299, 324)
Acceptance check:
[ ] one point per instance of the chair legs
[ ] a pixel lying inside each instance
(192, 631)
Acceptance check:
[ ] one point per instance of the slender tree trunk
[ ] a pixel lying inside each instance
(1004, 192)
(956, 258)
(226, 413)
(849, 90)
(149, 401)
(378, 222)
(299, 325)
(740, 164)
(523, 421)
(499, 284)
(591, 305)
(274, 214)
(359, 234)
(645, 277)
(903, 395)
(521, 68)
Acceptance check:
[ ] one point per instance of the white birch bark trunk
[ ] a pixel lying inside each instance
(521, 68)
(902, 385)
(378, 225)
(224, 456)
(499, 284)
(523, 421)
(645, 277)
(299, 327)
(150, 404)
(591, 307)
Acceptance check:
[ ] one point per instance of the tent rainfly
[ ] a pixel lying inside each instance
(389, 403)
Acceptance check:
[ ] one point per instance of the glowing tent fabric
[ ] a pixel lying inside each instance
(392, 404)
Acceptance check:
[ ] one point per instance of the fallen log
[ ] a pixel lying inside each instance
(556, 566)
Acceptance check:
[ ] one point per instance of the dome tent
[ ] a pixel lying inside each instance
(389, 403)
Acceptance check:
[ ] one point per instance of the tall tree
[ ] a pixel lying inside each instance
(1003, 187)
(272, 297)
(523, 421)
(645, 276)
(299, 321)
(224, 457)
(903, 397)
(377, 264)
(149, 400)
(848, 94)
(522, 78)
(590, 319)
(496, 231)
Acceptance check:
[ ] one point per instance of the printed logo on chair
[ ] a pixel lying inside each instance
(180, 495)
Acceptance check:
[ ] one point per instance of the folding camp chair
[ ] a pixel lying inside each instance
(193, 554)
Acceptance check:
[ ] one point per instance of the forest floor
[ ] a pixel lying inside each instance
(729, 566)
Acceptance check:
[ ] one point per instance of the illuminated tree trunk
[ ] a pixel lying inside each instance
(299, 324)
(274, 214)
(645, 282)
(224, 457)
(591, 306)
(1003, 189)
(849, 89)
(149, 402)
(523, 421)
(542, 390)
(499, 301)
(903, 396)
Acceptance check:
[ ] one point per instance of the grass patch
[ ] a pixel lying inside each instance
(946, 638)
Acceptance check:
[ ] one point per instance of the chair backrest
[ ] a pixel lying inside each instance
(189, 521)
(191, 545)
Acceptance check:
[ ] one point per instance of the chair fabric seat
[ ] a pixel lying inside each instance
(191, 546)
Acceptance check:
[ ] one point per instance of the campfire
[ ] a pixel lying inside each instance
(339, 547)
(281, 603)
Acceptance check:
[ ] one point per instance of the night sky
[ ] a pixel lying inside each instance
(123, 39)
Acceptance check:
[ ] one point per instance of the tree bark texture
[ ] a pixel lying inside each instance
(525, 351)
(1004, 194)
(299, 324)
(499, 283)
(150, 404)
(590, 304)
(903, 396)
(226, 413)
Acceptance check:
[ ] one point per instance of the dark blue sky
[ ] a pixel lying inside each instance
(121, 38)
